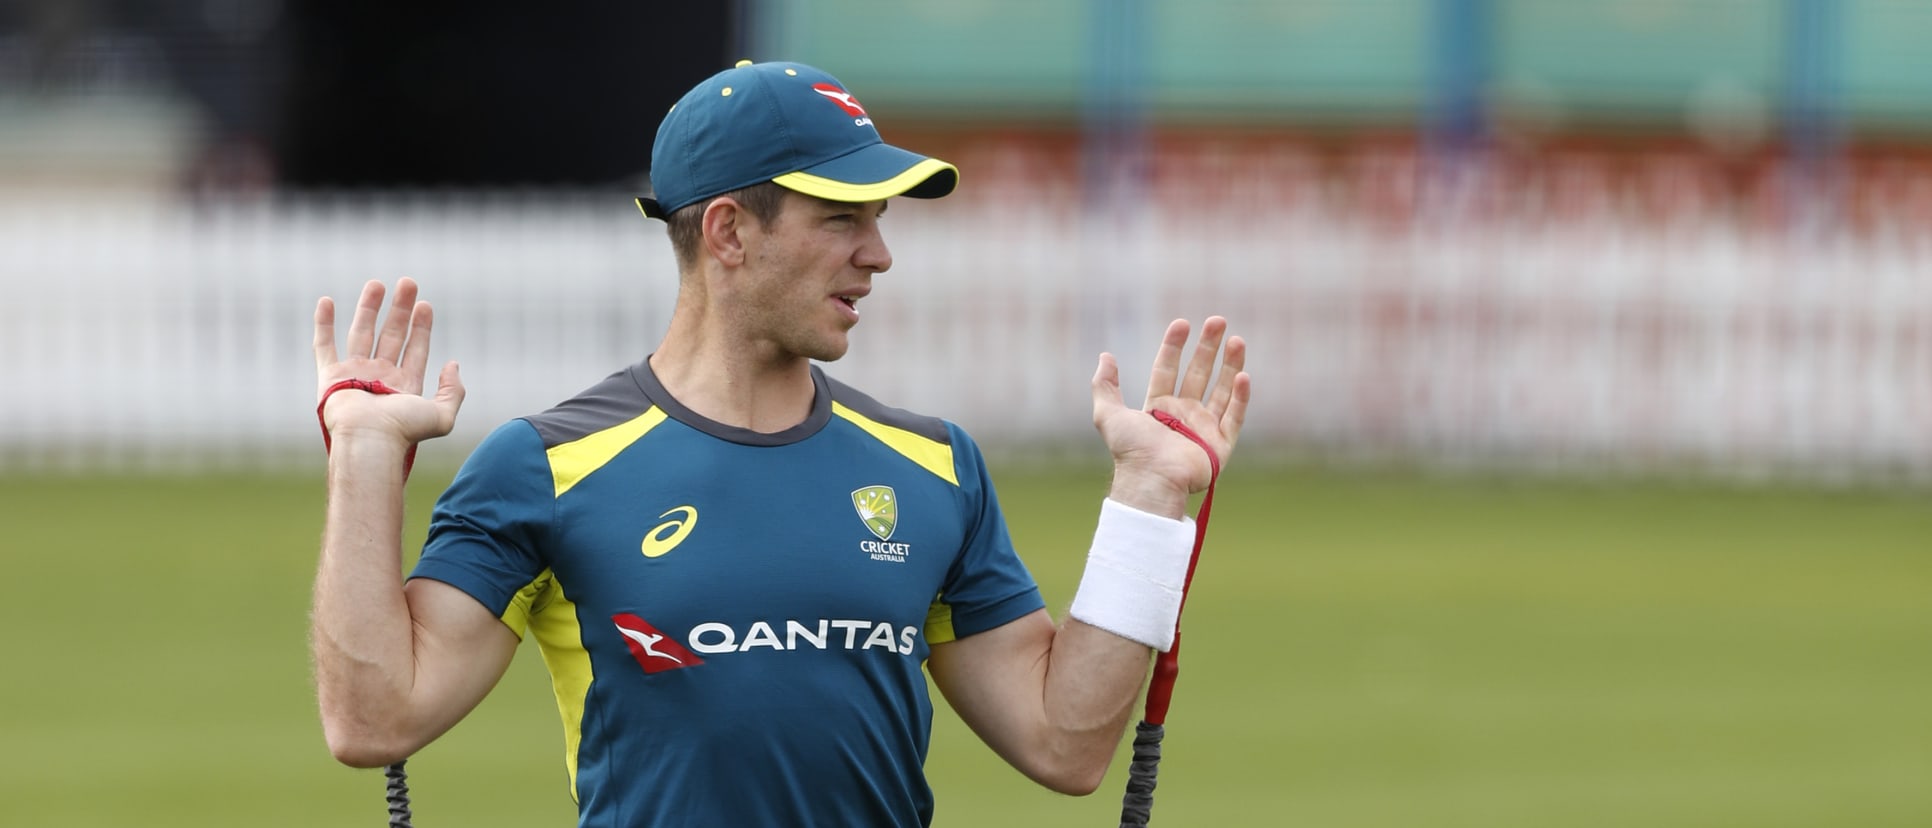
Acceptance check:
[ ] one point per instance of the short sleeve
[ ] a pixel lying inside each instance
(988, 585)
(486, 533)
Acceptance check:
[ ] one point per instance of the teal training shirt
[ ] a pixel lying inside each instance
(735, 623)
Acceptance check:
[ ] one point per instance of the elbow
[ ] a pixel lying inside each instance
(364, 756)
(1088, 779)
(362, 749)
(1078, 782)
(1073, 775)
(1076, 787)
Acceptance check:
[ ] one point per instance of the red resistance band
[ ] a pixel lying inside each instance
(376, 387)
(1167, 666)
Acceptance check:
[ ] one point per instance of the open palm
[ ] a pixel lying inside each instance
(1213, 409)
(396, 355)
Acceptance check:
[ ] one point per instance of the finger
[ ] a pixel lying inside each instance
(324, 334)
(1237, 412)
(1200, 369)
(1167, 362)
(1106, 385)
(415, 357)
(395, 329)
(1232, 361)
(449, 395)
(362, 326)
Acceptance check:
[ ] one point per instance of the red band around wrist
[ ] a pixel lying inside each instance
(370, 386)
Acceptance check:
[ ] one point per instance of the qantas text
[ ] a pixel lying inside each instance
(715, 637)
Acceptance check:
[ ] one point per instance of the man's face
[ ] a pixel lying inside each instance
(808, 271)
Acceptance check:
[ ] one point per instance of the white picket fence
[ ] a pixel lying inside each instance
(158, 336)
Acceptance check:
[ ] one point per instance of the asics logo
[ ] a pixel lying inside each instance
(841, 97)
(666, 536)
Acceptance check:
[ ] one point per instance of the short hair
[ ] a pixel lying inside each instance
(686, 226)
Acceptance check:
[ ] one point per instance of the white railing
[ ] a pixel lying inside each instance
(159, 336)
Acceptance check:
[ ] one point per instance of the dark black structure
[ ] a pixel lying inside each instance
(486, 93)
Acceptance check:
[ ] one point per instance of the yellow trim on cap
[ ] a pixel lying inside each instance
(831, 190)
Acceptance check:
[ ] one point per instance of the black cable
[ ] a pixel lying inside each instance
(1137, 805)
(398, 795)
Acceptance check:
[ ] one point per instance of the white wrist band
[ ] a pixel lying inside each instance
(1135, 575)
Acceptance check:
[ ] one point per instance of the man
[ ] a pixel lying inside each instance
(735, 566)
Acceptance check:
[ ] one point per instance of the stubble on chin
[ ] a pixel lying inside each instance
(831, 350)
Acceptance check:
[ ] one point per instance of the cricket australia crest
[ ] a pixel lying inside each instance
(878, 507)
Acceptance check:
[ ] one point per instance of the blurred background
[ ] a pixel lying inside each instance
(1591, 340)
(1638, 235)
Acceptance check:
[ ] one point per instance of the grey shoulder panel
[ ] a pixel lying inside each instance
(617, 399)
(931, 428)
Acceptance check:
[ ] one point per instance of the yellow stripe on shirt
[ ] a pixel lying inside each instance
(939, 622)
(553, 618)
(931, 455)
(571, 462)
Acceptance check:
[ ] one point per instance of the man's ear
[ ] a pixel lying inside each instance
(723, 221)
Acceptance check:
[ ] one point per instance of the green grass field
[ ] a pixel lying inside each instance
(1361, 651)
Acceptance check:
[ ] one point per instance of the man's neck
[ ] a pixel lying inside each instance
(734, 384)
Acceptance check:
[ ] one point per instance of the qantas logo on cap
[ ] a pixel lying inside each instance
(841, 97)
(654, 651)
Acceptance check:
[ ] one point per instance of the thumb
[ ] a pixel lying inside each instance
(1106, 386)
(449, 393)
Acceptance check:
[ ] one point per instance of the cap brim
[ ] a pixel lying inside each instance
(649, 207)
(874, 173)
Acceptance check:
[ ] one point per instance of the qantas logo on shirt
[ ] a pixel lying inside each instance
(657, 652)
(654, 651)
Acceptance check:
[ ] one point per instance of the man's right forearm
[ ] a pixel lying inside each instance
(360, 631)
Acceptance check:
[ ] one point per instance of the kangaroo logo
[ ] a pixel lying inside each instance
(653, 650)
(841, 97)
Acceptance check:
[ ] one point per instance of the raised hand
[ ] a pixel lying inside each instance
(1153, 464)
(397, 355)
